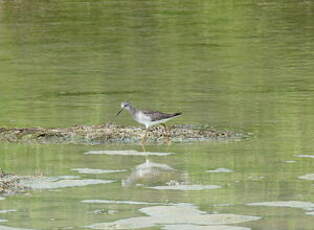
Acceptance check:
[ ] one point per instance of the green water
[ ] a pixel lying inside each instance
(241, 65)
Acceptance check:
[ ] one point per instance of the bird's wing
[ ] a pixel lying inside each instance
(154, 115)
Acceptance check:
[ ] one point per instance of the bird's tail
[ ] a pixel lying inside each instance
(177, 114)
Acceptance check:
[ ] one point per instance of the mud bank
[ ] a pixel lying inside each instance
(111, 133)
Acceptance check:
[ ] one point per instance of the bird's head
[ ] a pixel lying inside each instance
(124, 105)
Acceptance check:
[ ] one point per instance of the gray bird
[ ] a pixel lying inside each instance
(145, 117)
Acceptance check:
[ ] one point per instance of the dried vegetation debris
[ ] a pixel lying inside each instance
(10, 184)
(112, 133)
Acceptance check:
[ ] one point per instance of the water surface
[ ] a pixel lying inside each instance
(241, 65)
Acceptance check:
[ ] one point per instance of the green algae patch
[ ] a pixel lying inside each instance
(111, 133)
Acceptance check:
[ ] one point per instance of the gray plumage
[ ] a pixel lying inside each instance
(146, 117)
(155, 115)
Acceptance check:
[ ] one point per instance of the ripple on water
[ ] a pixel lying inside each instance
(308, 206)
(128, 153)
(55, 182)
(119, 202)
(185, 187)
(179, 215)
(7, 210)
(305, 156)
(309, 176)
(97, 171)
(289, 162)
(12, 228)
(220, 170)
(222, 205)
(68, 177)
(197, 227)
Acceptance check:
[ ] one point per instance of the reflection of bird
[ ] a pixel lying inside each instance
(150, 173)
(147, 118)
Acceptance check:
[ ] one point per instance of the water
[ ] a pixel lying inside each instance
(240, 65)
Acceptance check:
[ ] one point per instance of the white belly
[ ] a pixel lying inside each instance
(146, 120)
(143, 119)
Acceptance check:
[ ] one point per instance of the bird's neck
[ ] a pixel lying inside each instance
(132, 109)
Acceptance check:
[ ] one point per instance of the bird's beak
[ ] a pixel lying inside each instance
(119, 112)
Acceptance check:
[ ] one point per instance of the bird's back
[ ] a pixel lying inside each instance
(155, 115)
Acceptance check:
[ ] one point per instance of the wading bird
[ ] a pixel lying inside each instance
(147, 118)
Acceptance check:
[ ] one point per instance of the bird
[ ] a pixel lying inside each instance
(146, 117)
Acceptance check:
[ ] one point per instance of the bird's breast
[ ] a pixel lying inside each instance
(142, 118)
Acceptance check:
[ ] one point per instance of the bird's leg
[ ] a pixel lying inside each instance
(167, 134)
(143, 148)
(167, 131)
(143, 141)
